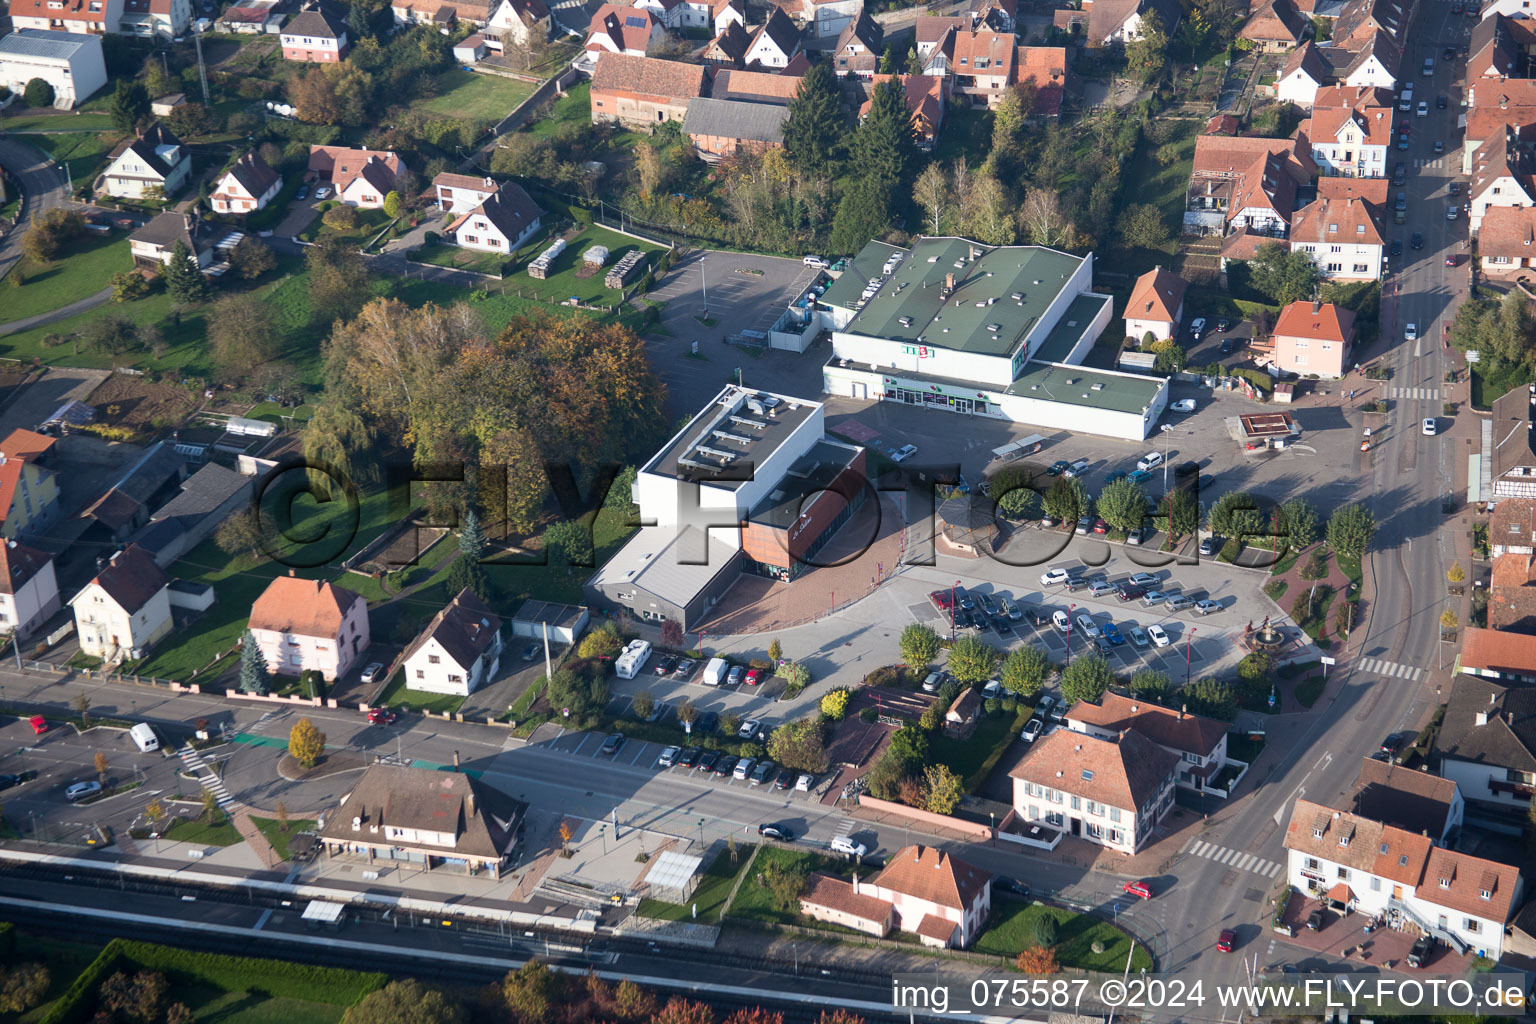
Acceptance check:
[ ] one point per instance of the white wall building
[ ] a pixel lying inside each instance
(302, 625)
(1109, 792)
(458, 651)
(29, 590)
(155, 160)
(124, 609)
(71, 62)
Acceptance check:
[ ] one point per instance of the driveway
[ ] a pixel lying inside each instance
(42, 185)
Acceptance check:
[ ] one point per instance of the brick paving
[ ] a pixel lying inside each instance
(756, 605)
(241, 819)
(1344, 935)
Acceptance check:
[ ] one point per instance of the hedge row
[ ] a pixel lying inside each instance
(308, 982)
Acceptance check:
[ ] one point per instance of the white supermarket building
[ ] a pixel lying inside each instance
(986, 331)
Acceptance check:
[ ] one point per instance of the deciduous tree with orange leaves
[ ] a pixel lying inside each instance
(1037, 960)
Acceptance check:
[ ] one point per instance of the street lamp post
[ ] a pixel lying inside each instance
(1167, 437)
(952, 607)
(1070, 609)
(1189, 645)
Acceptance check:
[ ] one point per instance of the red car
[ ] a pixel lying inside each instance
(1100, 526)
(941, 599)
(39, 724)
(381, 716)
(1450, 261)
(753, 677)
(1225, 940)
(1141, 889)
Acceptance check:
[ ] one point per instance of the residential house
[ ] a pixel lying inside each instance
(1276, 27)
(859, 48)
(1343, 230)
(727, 12)
(318, 34)
(124, 508)
(963, 714)
(471, 49)
(722, 128)
(1506, 240)
(998, 15)
(29, 497)
(1351, 131)
(71, 62)
(754, 87)
(29, 446)
(206, 499)
(423, 819)
(776, 43)
(981, 65)
(156, 160)
(1375, 61)
(1486, 744)
(730, 47)
(1246, 184)
(1511, 531)
(1360, 20)
(934, 32)
(124, 609)
(458, 651)
(521, 23)
(1044, 67)
(460, 193)
(249, 185)
(1357, 863)
(168, 19)
(829, 18)
(922, 890)
(29, 590)
(1198, 742)
(1503, 174)
(1513, 458)
(84, 17)
(1117, 22)
(1509, 95)
(1509, 8)
(444, 14)
(1489, 120)
(361, 177)
(927, 97)
(1500, 48)
(1156, 305)
(303, 625)
(502, 222)
(1112, 792)
(1305, 72)
(640, 92)
(678, 15)
(1512, 594)
(626, 30)
(1313, 338)
(1414, 801)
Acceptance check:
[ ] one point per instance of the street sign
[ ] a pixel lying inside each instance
(1328, 661)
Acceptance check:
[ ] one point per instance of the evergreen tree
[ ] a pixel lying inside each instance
(885, 146)
(914, 62)
(863, 214)
(253, 667)
(183, 279)
(814, 128)
(129, 104)
(472, 536)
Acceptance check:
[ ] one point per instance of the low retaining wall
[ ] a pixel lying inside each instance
(980, 833)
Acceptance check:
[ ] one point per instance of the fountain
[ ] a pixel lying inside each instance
(1265, 638)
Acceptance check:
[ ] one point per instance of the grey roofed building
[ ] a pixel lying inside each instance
(1487, 743)
(756, 122)
(1514, 444)
(253, 173)
(146, 147)
(206, 499)
(50, 45)
(565, 622)
(125, 505)
(663, 573)
(321, 21)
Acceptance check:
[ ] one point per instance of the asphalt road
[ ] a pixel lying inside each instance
(43, 185)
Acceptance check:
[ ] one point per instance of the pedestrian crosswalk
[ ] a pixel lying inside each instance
(1429, 393)
(1234, 858)
(845, 827)
(210, 781)
(1391, 669)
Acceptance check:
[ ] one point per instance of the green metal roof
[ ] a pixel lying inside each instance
(1075, 385)
(1069, 329)
(998, 299)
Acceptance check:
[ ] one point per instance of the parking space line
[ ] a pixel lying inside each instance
(636, 758)
(577, 749)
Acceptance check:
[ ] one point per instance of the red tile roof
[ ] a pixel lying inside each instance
(1318, 321)
(1157, 296)
(302, 607)
(1124, 773)
(27, 445)
(1350, 221)
(927, 873)
(1498, 651)
(657, 80)
(1510, 232)
(1276, 21)
(937, 928)
(1468, 878)
(1164, 726)
(836, 894)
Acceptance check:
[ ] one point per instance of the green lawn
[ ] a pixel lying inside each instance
(275, 834)
(562, 282)
(81, 271)
(974, 758)
(440, 254)
(54, 122)
(1163, 185)
(575, 107)
(755, 902)
(474, 97)
(84, 153)
(239, 581)
(211, 1005)
(395, 695)
(1012, 930)
(714, 887)
(967, 133)
(369, 222)
(200, 832)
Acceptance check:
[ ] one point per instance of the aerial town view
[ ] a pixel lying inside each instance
(767, 511)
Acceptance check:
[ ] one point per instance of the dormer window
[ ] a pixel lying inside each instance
(1344, 840)
(1317, 833)
(1484, 894)
(1445, 883)
(1333, 229)
(1359, 229)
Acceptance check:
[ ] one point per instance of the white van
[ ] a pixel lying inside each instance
(848, 847)
(144, 737)
(714, 672)
(817, 262)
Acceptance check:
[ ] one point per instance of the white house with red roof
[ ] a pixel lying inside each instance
(249, 185)
(361, 177)
(922, 890)
(460, 193)
(303, 625)
(627, 30)
(1112, 792)
(168, 18)
(1351, 131)
(1344, 229)
(1313, 338)
(124, 608)
(1156, 305)
(1200, 743)
(1503, 173)
(776, 43)
(90, 17)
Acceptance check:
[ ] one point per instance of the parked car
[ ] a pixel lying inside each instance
(1207, 606)
(776, 831)
(725, 766)
(734, 677)
(532, 651)
(743, 769)
(1061, 621)
(1142, 579)
(1209, 545)
(1118, 474)
(1086, 625)
(668, 757)
(1197, 325)
(1053, 577)
(1153, 598)
(1140, 476)
(302, 194)
(1100, 526)
(1184, 469)
(1159, 635)
(1077, 468)
(1418, 956)
(612, 744)
(39, 724)
(804, 783)
(932, 681)
(754, 676)
(1179, 602)
(1225, 940)
(848, 847)
(903, 453)
(1431, 426)
(1084, 526)
(1151, 460)
(1099, 588)
(1137, 535)
(762, 771)
(1139, 889)
(684, 668)
(689, 757)
(816, 262)
(708, 761)
(1032, 730)
(1139, 636)
(1126, 592)
(81, 790)
(784, 779)
(1185, 404)
(10, 779)
(1057, 468)
(323, 192)
(1113, 635)
(707, 723)
(381, 716)
(664, 665)
(993, 688)
(1423, 109)
(371, 673)
(1317, 920)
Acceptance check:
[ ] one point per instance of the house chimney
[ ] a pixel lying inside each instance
(1317, 306)
(189, 222)
(855, 885)
(1183, 710)
(471, 801)
(455, 760)
(293, 572)
(1482, 718)
(949, 282)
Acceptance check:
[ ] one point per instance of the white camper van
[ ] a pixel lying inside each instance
(144, 737)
